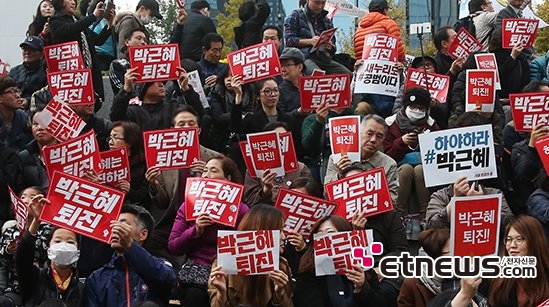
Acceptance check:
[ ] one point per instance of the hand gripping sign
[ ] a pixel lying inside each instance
(364, 192)
(475, 225)
(529, 110)
(302, 211)
(449, 154)
(219, 198)
(171, 148)
(155, 62)
(255, 62)
(248, 252)
(82, 206)
(334, 251)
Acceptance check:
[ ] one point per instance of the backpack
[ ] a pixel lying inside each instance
(467, 23)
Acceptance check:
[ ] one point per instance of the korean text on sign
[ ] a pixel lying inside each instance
(74, 157)
(364, 192)
(219, 198)
(265, 152)
(380, 46)
(255, 62)
(333, 251)
(437, 85)
(155, 62)
(20, 210)
(82, 206)
(74, 87)
(517, 30)
(334, 90)
(542, 146)
(449, 154)
(63, 57)
(378, 77)
(326, 37)
(345, 137)
(171, 148)
(248, 252)
(116, 166)
(60, 120)
(464, 44)
(302, 210)
(488, 61)
(475, 224)
(480, 89)
(529, 110)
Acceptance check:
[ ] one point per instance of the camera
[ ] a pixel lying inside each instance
(420, 28)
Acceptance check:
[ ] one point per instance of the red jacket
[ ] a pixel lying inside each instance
(375, 22)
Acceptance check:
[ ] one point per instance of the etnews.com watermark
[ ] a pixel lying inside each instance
(446, 266)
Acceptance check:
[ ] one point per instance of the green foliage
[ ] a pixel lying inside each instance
(542, 40)
(345, 41)
(227, 22)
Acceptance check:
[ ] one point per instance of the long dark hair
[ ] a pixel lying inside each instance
(37, 24)
(133, 135)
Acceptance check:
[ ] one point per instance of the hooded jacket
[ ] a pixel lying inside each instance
(376, 22)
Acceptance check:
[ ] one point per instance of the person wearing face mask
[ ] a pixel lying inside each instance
(401, 144)
(59, 278)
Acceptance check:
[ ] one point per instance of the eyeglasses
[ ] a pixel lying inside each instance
(270, 92)
(114, 138)
(518, 240)
(13, 90)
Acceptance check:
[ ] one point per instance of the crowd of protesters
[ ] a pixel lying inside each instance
(154, 247)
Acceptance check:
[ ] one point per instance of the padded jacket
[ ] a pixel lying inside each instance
(375, 22)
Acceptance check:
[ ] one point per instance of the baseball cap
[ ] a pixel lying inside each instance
(34, 42)
(292, 53)
(150, 4)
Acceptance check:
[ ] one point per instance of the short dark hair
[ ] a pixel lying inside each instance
(129, 34)
(211, 37)
(186, 108)
(6, 82)
(200, 4)
(58, 5)
(475, 6)
(441, 35)
(310, 185)
(143, 217)
(259, 84)
(353, 167)
(534, 86)
(277, 28)
(247, 10)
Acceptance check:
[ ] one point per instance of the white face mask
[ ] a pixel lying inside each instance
(414, 115)
(146, 19)
(63, 253)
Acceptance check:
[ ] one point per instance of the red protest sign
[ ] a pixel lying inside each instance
(332, 9)
(63, 57)
(181, 3)
(247, 156)
(318, 72)
(60, 120)
(116, 166)
(474, 228)
(437, 85)
(544, 304)
(480, 89)
(219, 198)
(488, 61)
(265, 152)
(334, 90)
(334, 251)
(20, 210)
(542, 146)
(82, 206)
(4, 67)
(345, 137)
(380, 46)
(302, 211)
(288, 152)
(529, 110)
(255, 62)
(324, 38)
(171, 148)
(74, 87)
(516, 30)
(464, 44)
(248, 252)
(155, 62)
(74, 157)
(364, 192)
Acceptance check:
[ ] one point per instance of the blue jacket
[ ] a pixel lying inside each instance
(151, 279)
(296, 27)
(538, 68)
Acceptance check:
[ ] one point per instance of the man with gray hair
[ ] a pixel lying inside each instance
(373, 133)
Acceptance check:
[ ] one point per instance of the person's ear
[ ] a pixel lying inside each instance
(143, 234)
